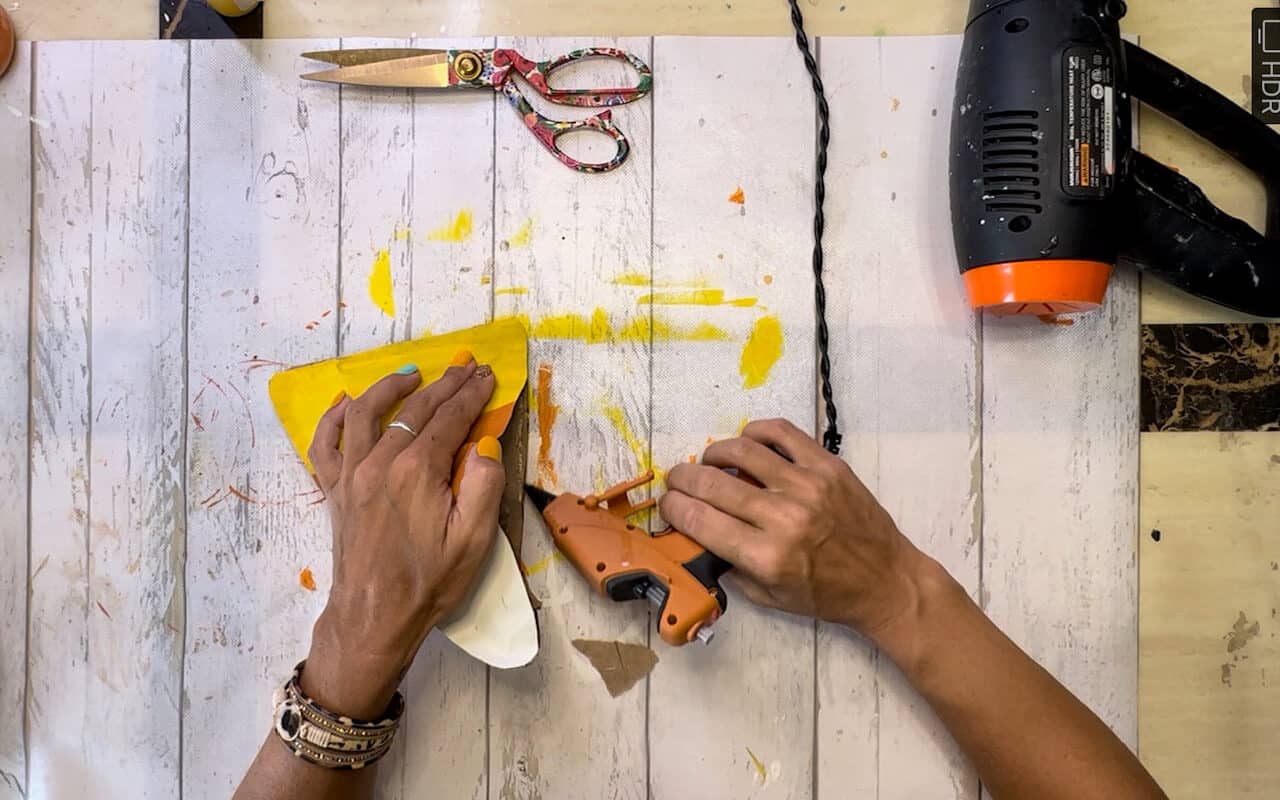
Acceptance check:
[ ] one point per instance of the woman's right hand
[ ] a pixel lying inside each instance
(811, 539)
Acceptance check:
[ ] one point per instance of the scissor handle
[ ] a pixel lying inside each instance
(537, 73)
(549, 130)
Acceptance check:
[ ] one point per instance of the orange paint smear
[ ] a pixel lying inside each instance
(1054, 319)
(247, 497)
(768, 279)
(259, 363)
(738, 196)
(547, 411)
(237, 493)
(307, 580)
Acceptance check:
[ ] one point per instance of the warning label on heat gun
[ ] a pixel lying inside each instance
(1088, 122)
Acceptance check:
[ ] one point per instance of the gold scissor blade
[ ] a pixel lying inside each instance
(369, 55)
(423, 71)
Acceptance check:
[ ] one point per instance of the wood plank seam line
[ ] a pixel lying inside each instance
(977, 474)
(493, 310)
(31, 305)
(186, 451)
(655, 522)
(339, 309)
(88, 434)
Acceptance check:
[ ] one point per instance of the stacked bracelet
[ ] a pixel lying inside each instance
(331, 740)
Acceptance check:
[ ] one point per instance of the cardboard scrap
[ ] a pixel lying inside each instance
(621, 665)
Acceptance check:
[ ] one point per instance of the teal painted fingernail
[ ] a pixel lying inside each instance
(407, 369)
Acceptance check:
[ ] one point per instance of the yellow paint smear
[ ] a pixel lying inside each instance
(761, 774)
(512, 290)
(380, 283)
(694, 297)
(402, 233)
(641, 279)
(575, 326)
(599, 329)
(485, 280)
(521, 237)
(761, 352)
(457, 231)
(542, 563)
(639, 449)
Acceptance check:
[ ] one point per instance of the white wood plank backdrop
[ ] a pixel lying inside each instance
(200, 217)
(714, 712)
(15, 300)
(264, 246)
(906, 360)
(554, 730)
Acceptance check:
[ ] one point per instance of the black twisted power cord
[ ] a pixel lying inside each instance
(831, 437)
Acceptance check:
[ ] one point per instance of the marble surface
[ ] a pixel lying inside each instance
(1211, 377)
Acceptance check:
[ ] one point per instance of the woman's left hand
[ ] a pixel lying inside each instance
(405, 550)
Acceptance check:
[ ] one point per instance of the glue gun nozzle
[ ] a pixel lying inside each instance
(541, 497)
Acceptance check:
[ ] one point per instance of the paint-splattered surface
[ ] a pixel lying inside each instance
(668, 301)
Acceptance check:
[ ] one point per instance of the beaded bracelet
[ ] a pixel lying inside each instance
(331, 740)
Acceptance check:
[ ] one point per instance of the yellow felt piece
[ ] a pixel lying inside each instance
(301, 395)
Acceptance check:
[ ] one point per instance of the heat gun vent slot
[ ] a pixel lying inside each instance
(1011, 161)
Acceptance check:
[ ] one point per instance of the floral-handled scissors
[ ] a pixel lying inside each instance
(472, 69)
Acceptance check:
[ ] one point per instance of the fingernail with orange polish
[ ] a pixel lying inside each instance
(490, 448)
(338, 398)
(461, 358)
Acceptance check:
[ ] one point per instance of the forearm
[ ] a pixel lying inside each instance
(337, 679)
(1026, 734)
(277, 774)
